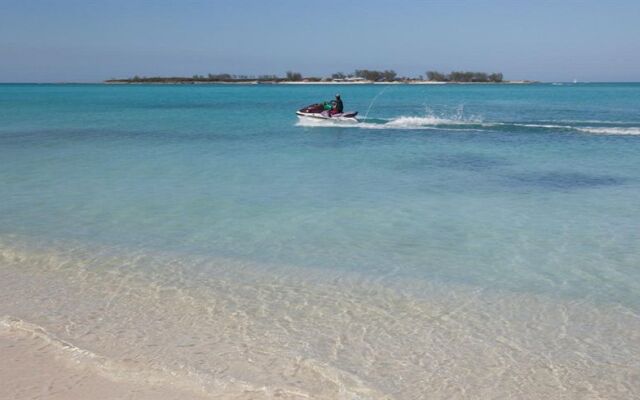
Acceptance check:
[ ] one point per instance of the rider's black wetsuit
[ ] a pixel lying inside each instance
(339, 107)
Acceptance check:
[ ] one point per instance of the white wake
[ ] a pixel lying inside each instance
(406, 122)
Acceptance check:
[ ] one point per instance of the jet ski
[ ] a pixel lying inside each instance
(317, 111)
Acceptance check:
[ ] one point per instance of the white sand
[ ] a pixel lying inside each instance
(78, 324)
(32, 369)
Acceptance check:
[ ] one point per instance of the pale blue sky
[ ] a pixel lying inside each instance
(95, 40)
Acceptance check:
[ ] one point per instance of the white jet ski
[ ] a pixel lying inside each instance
(317, 111)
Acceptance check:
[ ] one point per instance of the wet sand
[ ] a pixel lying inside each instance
(77, 324)
(32, 369)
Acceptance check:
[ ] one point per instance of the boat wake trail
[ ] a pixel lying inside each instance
(401, 122)
(459, 122)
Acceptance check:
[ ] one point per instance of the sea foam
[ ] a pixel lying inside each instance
(408, 122)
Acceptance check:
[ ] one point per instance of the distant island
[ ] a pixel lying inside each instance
(360, 76)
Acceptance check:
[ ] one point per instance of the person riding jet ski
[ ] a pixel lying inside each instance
(328, 110)
(333, 106)
(337, 107)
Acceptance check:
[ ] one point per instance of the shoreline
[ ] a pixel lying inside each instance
(248, 332)
(35, 365)
(436, 83)
(513, 82)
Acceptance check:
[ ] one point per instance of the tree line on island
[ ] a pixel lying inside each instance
(459, 76)
(359, 75)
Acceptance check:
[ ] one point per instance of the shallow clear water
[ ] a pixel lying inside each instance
(504, 190)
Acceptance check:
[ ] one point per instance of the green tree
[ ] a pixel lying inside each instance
(436, 76)
(294, 76)
(480, 77)
(496, 77)
(267, 78)
(369, 75)
(389, 75)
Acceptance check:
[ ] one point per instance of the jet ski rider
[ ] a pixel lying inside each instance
(337, 106)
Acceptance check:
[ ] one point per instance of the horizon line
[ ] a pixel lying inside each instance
(104, 82)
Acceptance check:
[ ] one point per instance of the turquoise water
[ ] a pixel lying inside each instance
(530, 190)
(526, 187)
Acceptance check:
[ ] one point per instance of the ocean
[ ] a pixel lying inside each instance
(461, 241)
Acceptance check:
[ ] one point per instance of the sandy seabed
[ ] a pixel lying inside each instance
(88, 324)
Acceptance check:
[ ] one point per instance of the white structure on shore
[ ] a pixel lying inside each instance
(350, 79)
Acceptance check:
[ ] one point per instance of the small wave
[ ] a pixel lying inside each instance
(10, 325)
(347, 385)
(601, 130)
(598, 121)
(125, 370)
(610, 130)
(542, 126)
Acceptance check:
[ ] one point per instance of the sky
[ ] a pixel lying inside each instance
(90, 40)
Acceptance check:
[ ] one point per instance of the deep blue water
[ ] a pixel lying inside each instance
(520, 187)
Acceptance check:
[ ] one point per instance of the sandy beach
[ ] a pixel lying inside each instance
(32, 367)
(246, 335)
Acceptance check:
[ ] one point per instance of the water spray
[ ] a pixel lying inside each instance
(374, 100)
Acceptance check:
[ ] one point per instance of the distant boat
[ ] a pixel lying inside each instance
(575, 81)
